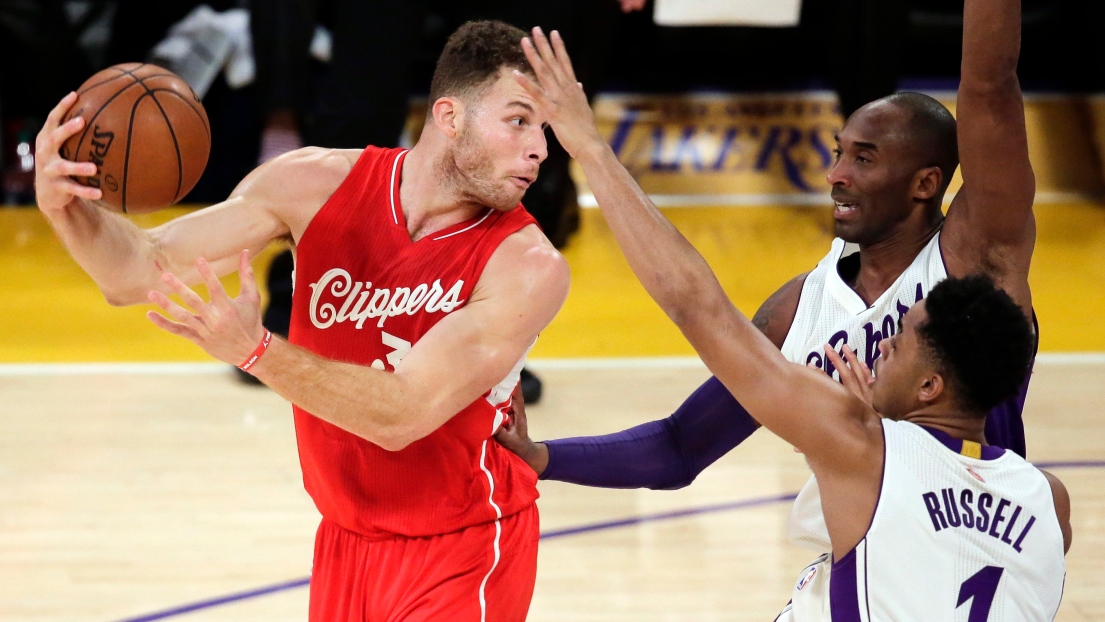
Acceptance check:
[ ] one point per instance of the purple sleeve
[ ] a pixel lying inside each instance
(662, 455)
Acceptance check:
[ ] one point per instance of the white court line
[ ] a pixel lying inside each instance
(112, 369)
(8, 370)
(800, 199)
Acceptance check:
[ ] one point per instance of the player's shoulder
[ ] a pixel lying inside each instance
(319, 163)
(776, 315)
(528, 254)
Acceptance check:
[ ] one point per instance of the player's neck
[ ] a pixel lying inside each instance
(430, 203)
(881, 263)
(951, 421)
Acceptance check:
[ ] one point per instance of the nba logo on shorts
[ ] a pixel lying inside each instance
(806, 578)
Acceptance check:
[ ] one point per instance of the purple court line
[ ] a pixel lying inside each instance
(558, 533)
(1071, 464)
(221, 600)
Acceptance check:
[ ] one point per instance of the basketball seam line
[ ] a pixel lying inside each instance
(189, 104)
(92, 120)
(141, 81)
(176, 145)
(172, 133)
(126, 156)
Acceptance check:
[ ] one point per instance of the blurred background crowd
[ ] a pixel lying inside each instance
(278, 74)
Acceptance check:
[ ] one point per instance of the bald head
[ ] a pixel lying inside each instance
(930, 130)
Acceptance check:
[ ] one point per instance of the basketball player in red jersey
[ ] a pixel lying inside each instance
(420, 285)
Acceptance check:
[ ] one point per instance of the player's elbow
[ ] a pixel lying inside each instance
(403, 427)
(124, 298)
(393, 437)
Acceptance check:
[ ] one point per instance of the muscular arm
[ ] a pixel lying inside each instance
(127, 262)
(669, 453)
(990, 225)
(469, 351)
(840, 435)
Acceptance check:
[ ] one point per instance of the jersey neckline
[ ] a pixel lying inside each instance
(988, 452)
(847, 295)
(400, 219)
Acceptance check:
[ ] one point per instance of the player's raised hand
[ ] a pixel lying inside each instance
(855, 375)
(55, 188)
(514, 435)
(558, 93)
(227, 329)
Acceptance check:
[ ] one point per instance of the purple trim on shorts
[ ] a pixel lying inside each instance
(844, 590)
(989, 452)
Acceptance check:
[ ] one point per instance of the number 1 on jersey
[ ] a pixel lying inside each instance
(980, 590)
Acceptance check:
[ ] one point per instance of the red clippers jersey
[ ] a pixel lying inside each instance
(365, 293)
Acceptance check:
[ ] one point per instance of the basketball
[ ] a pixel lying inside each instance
(146, 131)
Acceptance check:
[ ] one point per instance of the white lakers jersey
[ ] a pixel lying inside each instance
(830, 312)
(952, 538)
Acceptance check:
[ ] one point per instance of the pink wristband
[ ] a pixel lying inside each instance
(261, 347)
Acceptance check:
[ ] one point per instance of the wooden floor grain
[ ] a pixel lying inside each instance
(123, 494)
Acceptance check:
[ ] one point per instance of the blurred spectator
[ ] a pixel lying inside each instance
(40, 64)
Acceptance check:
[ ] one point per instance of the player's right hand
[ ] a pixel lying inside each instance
(855, 375)
(55, 188)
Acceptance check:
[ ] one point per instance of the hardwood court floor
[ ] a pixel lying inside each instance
(125, 494)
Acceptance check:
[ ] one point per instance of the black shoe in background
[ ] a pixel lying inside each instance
(531, 387)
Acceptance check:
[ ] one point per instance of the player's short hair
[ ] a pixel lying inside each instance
(473, 56)
(980, 340)
(932, 128)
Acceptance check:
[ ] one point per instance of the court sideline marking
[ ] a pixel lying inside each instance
(556, 533)
(8, 370)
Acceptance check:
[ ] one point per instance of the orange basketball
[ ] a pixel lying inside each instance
(147, 133)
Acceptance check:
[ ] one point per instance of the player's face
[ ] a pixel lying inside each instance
(501, 144)
(902, 367)
(871, 176)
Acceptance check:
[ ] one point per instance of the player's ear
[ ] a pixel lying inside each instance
(932, 387)
(446, 114)
(926, 183)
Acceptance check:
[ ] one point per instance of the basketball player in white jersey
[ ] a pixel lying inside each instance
(895, 159)
(917, 517)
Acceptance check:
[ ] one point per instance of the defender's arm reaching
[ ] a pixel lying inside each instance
(990, 226)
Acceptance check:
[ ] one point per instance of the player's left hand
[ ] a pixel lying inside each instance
(855, 375)
(227, 329)
(514, 435)
(558, 93)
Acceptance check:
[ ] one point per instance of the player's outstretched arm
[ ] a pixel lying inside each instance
(805, 407)
(126, 261)
(468, 352)
(990, 226)
(664, 454)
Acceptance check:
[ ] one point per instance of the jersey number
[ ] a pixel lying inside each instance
(980, 590)
(399, 348)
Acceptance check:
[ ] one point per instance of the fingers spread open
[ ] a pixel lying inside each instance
(562, 57)
(245, 276)
(531, 87)
(172, 327)
(861, 368)
(72, 169)
(547, 55)
(82, 191)
(544, 74)
(177, 312)
(54, 118)
(190, 298)
(214, 286)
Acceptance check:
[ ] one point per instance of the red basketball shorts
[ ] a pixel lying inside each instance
(479, 574)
